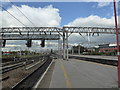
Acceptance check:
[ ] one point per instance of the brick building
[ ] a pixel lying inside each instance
(108, 48)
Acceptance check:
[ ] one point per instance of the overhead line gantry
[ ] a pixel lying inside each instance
(59, 29)
(52, 33)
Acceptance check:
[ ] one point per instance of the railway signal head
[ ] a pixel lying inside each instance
(3, 43)
(29, 43)
(42, 43)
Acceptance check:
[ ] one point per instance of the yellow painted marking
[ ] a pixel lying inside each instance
(97, 63)
(68, 84)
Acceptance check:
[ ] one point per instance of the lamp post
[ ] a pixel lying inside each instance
(117, 41)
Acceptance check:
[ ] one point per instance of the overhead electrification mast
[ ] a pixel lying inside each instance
(117, 41)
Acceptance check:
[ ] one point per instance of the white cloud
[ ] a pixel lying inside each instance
(103, 4)
(47, 16)
(93, 21)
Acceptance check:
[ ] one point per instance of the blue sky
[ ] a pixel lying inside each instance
(119, 8)
(69, 11)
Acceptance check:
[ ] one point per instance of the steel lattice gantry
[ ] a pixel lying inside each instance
(58, 29)
(51, 33)
(30, 36)
(24, 33)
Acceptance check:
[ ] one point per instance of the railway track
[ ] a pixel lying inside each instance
(30, 80)
(97, 60)
(11, 61)
(15, 66)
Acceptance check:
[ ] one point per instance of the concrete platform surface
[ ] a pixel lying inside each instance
(83, 74)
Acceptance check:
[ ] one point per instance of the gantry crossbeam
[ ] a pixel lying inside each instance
(57, 29)
(30, 29)
(91, 30)
(30, 36)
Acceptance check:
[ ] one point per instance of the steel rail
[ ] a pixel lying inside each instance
(28, 82)
(13, 67)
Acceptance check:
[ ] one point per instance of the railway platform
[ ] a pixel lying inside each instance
(97, 57)
(80, 74)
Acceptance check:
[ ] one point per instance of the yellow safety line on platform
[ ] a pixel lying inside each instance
(97, 63)
(66, 77)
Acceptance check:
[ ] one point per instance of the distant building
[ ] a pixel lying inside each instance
(108, 48)
(91, 49)
(6, 53)
(75, 49)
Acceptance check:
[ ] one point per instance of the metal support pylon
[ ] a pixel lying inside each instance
(67, 45)
(59, 48)
(117, 41)
(72, 50)
(64, 54)
(79, 49)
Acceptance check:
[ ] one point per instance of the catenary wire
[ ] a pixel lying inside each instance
(13, 16)
(23, 13)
